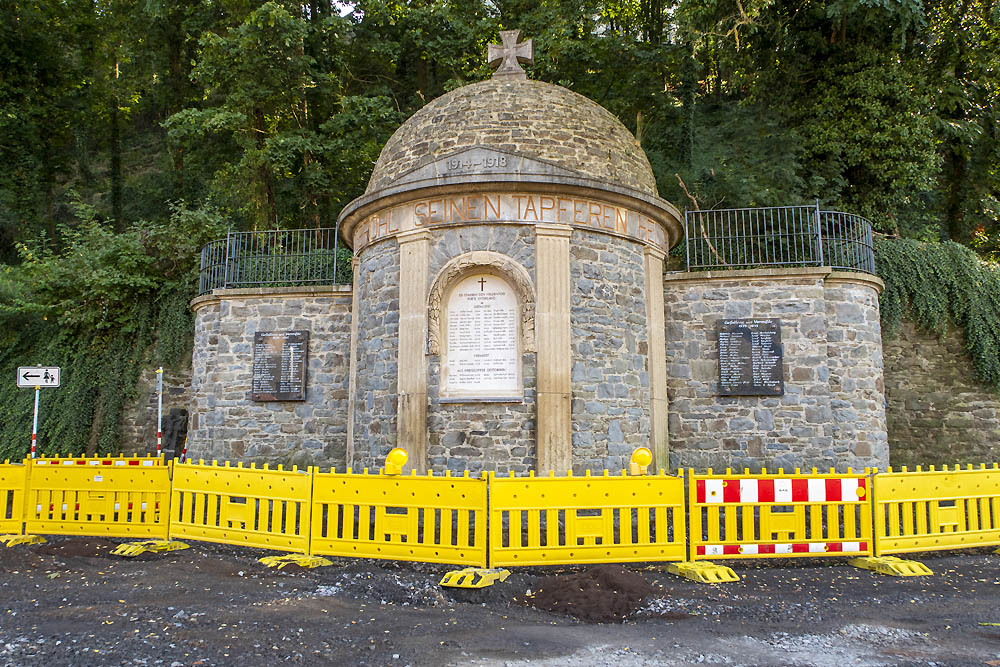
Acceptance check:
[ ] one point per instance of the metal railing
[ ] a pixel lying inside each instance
(742, 238)
(273, 258)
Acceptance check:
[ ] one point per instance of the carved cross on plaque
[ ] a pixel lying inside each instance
(507, 57)
(482, 284)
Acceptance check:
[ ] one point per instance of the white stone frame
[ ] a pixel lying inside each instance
(481, 261)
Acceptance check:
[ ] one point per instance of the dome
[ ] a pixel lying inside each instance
(532, 118)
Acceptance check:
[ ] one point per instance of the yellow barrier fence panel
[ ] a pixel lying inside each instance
(586, 519)
(928, 510)
(13, 483)
(434, 519)
(253, 507)
(779, 515)
(105, 460)
(105, 501)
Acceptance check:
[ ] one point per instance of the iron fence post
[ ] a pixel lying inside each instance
(336, 254)
(687, 242)
(819, 236)
(225, 270)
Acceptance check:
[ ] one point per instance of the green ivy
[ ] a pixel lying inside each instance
(103, 307)
(934, 284)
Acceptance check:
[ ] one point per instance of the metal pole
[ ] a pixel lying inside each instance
(687, 241)
(159, 411)
(819, 236)
(225, 269)
(34, 423)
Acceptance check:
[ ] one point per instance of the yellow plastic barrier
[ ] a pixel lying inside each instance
(754, 516)
(253, 507)
(98, 460)
(13, 480)
(434, 519)
(588, 519)
(106, 501)
(927, 510)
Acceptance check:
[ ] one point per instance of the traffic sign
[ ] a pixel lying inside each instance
(37, 376)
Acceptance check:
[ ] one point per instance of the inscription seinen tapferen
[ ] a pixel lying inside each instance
(279, 365)
(750, 358)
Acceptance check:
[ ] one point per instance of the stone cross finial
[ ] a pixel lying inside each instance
(509, 56)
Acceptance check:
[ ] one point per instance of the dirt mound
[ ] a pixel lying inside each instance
(602, 594)
(88, 547)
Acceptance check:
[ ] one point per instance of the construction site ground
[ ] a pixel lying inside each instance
(70, 602)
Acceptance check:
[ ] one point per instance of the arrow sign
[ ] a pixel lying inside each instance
(37, 376)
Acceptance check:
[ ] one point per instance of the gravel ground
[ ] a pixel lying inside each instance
(70, 602)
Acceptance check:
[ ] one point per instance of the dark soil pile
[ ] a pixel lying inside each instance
(602, 594)
(88, 547)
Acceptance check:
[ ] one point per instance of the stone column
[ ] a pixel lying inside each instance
(352, 372)
(552, 326)
(655, 325)
(411, 408)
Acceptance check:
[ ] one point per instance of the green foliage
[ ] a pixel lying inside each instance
(271, 114)
(935, 284)
(103, 308)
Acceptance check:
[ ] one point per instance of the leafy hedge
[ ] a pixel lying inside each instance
(103, 307)
(934, 284)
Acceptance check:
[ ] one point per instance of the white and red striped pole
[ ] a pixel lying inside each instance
(159, 411)
(34, 423)
(184, 452)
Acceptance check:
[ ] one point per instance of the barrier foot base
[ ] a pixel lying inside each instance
(474, 577)
(704, 572)
(896, 567)
(131, 549)
(302, 560)
(14, 540)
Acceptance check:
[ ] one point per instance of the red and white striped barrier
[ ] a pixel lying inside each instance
(781, 490)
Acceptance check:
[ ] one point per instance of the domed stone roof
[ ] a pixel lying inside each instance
(531, 118)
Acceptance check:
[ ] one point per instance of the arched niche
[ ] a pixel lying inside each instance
(467, 285)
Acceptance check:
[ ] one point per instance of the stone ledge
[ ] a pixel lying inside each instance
(825, 273)
(218, 295)
(857, 278)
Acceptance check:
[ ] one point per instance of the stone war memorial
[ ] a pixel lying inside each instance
(510, 310)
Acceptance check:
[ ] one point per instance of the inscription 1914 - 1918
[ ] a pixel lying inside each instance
(750, 357)
(279, 366)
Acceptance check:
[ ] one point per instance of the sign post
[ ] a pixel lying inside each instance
(34, 423)
(159, 411)
(37, 377)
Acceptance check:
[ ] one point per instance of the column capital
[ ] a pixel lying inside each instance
(654, 252)
(413, 235)
(549, 229)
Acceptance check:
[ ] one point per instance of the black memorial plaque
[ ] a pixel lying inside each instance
(750, 358)
(279, 365)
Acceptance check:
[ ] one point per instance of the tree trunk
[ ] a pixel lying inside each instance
(116, 167)
(268, 218)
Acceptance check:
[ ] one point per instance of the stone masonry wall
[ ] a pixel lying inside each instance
(857, 388)
(224, 423)
(481, 436)
(826, 376)
(937, 412)
(378, 346)
(610, 378)
(138, 427)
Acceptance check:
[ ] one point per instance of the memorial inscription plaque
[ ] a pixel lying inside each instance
(482, 359)
(279, 365)
(750, 358)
